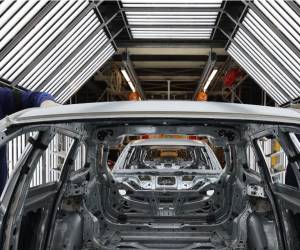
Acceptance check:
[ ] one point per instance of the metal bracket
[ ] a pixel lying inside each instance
(256, 191)
(76, 190)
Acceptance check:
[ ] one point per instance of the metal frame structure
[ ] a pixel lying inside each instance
(92, 208)
(42, 41)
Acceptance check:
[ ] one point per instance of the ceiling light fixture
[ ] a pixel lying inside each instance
(211, 77)
(127, 78)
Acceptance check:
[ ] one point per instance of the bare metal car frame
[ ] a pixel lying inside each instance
(84, 210)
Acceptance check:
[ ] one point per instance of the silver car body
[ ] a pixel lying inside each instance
(94, 208)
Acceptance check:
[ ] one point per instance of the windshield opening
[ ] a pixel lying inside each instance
(168, 157)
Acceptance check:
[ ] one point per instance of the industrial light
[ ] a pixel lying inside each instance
(171, 19)
(172, 13)
(77, 61)
(267, 63)
(19, 20)
(81, 78)
(270, 42)
(122, 192)
(126, 76)
(212, 75)
(60, 52)
(280, 20)
(256, 74)
(38, 38)
(273, 43)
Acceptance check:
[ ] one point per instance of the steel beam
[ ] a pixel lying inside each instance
(124, 20)
(5, 83)
(170, 43)
(224, 3)
(169, 89)
(178, 58)
(169, 71)
(105, 27)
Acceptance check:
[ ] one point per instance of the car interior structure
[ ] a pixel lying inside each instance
(176, 125)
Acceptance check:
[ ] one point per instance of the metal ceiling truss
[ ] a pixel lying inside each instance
(55, 46)
(175, 43)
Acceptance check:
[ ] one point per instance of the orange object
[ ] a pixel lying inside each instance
(145, 136)
(133, 96)
(201, 96)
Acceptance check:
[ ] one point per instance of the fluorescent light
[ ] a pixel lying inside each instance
(167, 17)
(175, 22)
(76, 84)
(172, 1)
(212, 75)
(257, 75)
(273, 43)
(173, 5)
(131, 86)
(171, 19)
(30, 10)
(44, 40)
(124, 72)
(58, 54)
(178, 19)
(171, 29)
(266, 62)
(77, 61)
(279, 22)
(171, 13)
